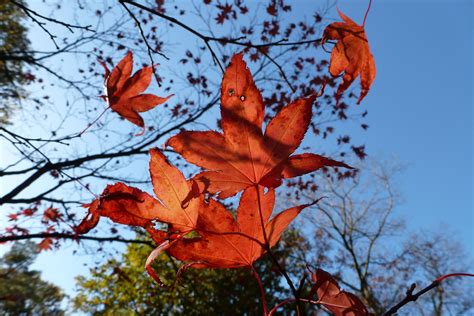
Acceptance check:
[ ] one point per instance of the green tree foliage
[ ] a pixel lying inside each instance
(22, 291)
(121, 286)
(14, 47)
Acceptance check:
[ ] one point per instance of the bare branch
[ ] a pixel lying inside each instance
(74, 237)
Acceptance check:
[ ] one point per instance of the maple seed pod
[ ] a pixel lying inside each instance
(231, 92)
(242, 98)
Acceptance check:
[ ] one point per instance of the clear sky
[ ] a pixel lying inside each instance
(420, 111)
(420, 106)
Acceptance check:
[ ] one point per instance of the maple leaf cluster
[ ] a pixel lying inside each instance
(50, 217)
(243, 158)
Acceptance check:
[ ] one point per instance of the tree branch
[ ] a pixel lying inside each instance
(74, 237)
(48, 166)
(410, 297)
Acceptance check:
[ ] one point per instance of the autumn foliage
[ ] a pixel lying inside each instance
(245, 158)
(252, 152)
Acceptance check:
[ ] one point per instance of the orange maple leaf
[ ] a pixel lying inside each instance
(51, 214)
(131, 206)
(350, 55)
(45, 244)
(124, 93)
(243, 155)
(226, 242)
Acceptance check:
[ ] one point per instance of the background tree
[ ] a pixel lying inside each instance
(13, 76)
(359, 237)
(426, 256)
(22, 291)
(121, 285)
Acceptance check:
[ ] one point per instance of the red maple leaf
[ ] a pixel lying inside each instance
(243, 155)
(45, 244)
(226, 242)
(51, 215)
(131, 206)
(28, 211)
(337, 301)
(351, 55)
(124, 93)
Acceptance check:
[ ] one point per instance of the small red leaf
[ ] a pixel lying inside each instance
(337, 301)
(124, 93)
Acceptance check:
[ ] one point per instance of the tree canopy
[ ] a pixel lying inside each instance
(23, 291)
(14, 47)
(121, 285)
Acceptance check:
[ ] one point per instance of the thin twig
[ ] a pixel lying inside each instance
(33, 16)
(410, 297)
(366, 13)
(69, 26)
(149, 48)
(280, 69)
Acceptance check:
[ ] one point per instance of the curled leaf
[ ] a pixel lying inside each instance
(337, 301)
(350, 55)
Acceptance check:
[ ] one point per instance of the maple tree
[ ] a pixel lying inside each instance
(23, 290)
(117, 285)
(247, 161)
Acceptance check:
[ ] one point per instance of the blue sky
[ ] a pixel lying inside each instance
(420, 106)
(420, 111)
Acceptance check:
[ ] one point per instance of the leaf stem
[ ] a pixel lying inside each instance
(262, 290)
(272, 256)
(93, 122)
(366, 13)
